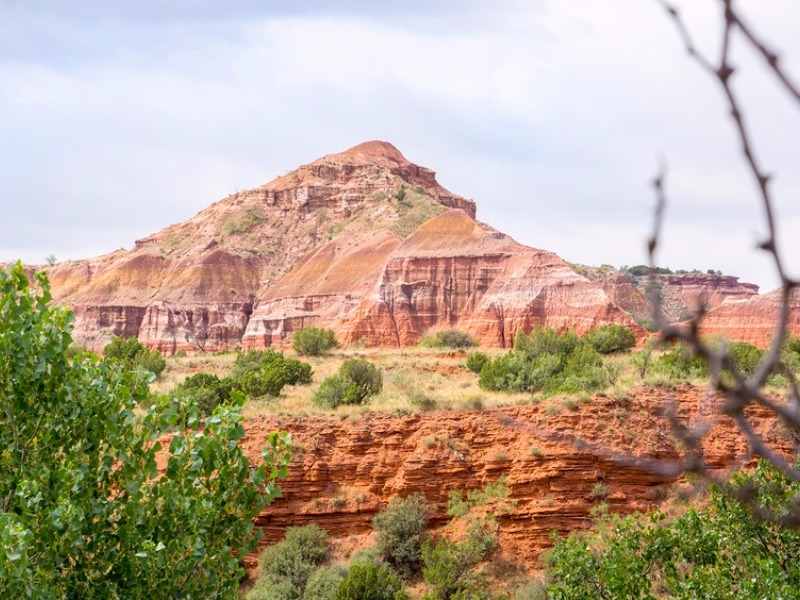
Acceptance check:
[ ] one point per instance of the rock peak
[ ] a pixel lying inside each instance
(378, 149)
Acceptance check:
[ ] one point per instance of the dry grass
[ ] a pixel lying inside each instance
(415, 380)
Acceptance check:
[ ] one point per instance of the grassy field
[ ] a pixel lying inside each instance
(415, 379)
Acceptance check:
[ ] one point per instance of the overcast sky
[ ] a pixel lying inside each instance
(120, 118)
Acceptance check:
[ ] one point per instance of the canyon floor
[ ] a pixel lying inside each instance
(433, 430)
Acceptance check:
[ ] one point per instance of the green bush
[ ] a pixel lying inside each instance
(324, 582)
(476, 360)
(680, 363)
(450, 338)
(722, 551)
(86, 512)
(608, 339)
(546, 361)
(449, 567)
(401, 533)
(313, 341)
(368, 581)
(356, 381)
(208, 391)
(265, 372)
(287, 566)
(131, 353)
(745, 357)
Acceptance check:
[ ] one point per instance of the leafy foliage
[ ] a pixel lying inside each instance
(287, 566)
(450, 566)
(313, 341)
(369, 581)
(680, 363)
(724, 551)
(207, 389)
(546, 361)
(324, 582)
(84, 511)
(265, 372)
(450, 338)
(401, 533)
(131, 353)
(476, 360)
(608, 339)
(355, 382)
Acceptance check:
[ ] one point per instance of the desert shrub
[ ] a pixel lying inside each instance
(131, 353)
(476, 360)
(207, 389)
(356, 381)
(86, 513)
(546, 361)
(368, 581)
(745, 357)
(265, 372)
(680, 363)
(722, 551)
(450, 338)
(401, 533)
(608, 339)
(287, 566)
(323, 583)
(313, 341)
(449, 566)
(642, 361)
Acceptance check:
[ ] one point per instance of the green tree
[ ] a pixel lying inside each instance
(608, 339)
(132, 354)
(313, 341)
(84, 511)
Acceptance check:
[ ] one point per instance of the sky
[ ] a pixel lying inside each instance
(120, 118)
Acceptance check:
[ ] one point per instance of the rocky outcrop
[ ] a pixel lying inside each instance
(751, 320)
(364, 242)
(684, 295)
(345, 470)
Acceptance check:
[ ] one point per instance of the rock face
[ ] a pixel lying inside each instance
(751, 320)
(344, 471)
(683, 295)
(364, 242)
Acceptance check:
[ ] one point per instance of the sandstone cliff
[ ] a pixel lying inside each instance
(363, 241)
(345, 470)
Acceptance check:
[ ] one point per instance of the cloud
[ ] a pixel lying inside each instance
(121, 118)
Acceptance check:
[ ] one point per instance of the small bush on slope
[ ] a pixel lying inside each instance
(355, 382)
(131, 353)
(313, 341)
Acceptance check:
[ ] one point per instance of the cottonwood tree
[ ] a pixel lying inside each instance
(84, 510)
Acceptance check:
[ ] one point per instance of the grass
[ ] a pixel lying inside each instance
(415, 380)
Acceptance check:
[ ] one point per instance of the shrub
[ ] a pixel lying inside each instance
(356, 381)
(450, 338)
(131, 353)
(401, 533)
(313, 341)
(745, 357)
(208, 391)
(546, 361)
(324, 582)
(287, 565)
(608, 339)
(680, 363)
(265, 372)
(476, 360)
(450, 566)
(642, 361)
(368, 581)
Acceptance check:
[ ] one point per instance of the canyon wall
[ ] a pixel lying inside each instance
(345, 469)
